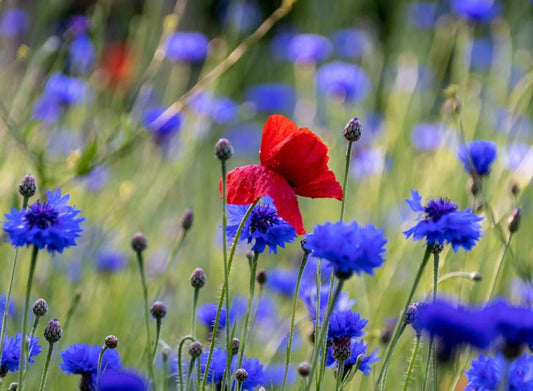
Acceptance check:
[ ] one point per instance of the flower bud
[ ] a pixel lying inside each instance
(13, 386)
(241, 375)
(342, 349)
(138, 242)
(198, 278)
(196, 349)
(111, 342)
(353, 130)
(261, 277)
(235, 346)
(27, 186)
(40, 308)
(223, 149)
(158, 310)
(52, 332)
(475, 276)
(514, 221)
(187, 219)
(304, 369)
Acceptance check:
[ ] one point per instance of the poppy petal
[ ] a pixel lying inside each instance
(300, 156)
(248, 183)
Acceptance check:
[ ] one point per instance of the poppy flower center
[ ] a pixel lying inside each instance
(41, 216)
(438, 208)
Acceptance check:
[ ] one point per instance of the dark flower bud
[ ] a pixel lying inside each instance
(388, 329)
(514, 220)
(13, 386)
(412, 311)
(475, 276)
(342, 274)
(52, 331)
(223, 149)
(27, 186)
(250, 255)
(198, 278)
(261, 277)
(40, 308)
(436, 248)
(235, 346)
(241, 375)
(302, 244)
(304, 369)
(515, 188)
(158, 310)
(138, 242)
(196, 349)
(475, 184)
(353, 130)
(342, 349)
(111, 342)
(187, 219)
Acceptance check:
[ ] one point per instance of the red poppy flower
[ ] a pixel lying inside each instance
(293, 162)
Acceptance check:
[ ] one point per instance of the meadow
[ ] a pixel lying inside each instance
(350, 180)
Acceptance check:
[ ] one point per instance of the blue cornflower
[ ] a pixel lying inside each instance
(427, 136)
(13, 22)
(82, 54)
(218, 365)
(477, 156)
(357, 347)
(348, 247)
(455, 326)
(82, 359)
(282, 281)
(122, 381)
(478, 10)
(351, 43)
(264, 227)
(309, 48)
(97, 178)
(110, 261)
(10, 307)
(245, 138)
(272, 98)
(513, 324)
(423, 14)
(344, 81)
(224, 110)
(52, 225)
(369, 162)
(190, 46)
(274, 375)
(345, 324)
(519, 157)
(11, 353)
(309, 297)
(162, 129)
(207, 314)
(442, 223)
(486, 373)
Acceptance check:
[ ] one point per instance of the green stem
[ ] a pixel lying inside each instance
(46, 364)
(323, 353)
(226, 269)
(140, 261)
(180, 372)
(8, 299)
(428, 363)
(345, 180)
(400, 326)
(171, 260)
(73, 305)
(222, 295)
(24, 345)
(189, 371)
(251, 294)
(293, 316)
(499, 265)
(157, 334)
(340, 375)
(99, 367)
(193, 318)
(435, 285)
(412, 361)
(165, 372)
(323, 331)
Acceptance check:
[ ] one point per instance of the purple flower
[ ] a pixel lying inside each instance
(13, 22)
(122, 381)
(486, 373)
(427, 136)
(82, 54)
(478, 156)
(478, 10)
(224, 110)
(348, 247)
(52, 225)
(272, 98)
(190, 46)
(441, 222)
(110, 261)
(344, 81)
(345, 325)
(309, 48)
(11, 353)
(162, 128)
(351, 43)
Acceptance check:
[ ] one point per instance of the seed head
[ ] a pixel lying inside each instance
(40, 308)
(235, 346)
(158, 310)
(304, 369)
(241, 375)
(187, 219)
(261, 277)
(27, 186)
(223, 149)
(196, 349)
(198, 278)
(52, 331)
(138, 242)
(111, 342)
(353, 130)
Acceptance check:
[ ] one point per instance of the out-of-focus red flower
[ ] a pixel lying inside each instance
(118, 64)
(293, 162)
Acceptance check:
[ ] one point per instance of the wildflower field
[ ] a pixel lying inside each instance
(266, 195)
